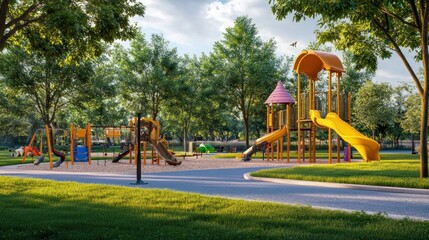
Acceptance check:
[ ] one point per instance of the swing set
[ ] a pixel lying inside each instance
(49, 132)
(124, 135)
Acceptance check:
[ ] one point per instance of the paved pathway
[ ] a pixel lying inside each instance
(230, 183)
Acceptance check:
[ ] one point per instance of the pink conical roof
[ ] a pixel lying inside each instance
(280, 95)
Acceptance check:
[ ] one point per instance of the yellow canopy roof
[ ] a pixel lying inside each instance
(312, 62)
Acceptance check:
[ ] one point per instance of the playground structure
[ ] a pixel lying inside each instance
(278, 124)
(310, 63)
(49, 135)
(307, 114)
(82, 153)
(150, 133)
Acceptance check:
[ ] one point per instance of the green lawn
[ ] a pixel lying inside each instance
(6, 159)
(398, 170)
(44, 209)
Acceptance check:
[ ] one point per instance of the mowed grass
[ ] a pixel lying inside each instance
(44, 209)
(396, 170)
(7, 159)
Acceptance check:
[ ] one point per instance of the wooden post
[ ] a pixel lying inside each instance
(329, 110)
(152, 155)
(299, 118)
(88, 142)
(288, 131)
(312, 143)
(338, 112)
(144, 151)
(72, 142)
(29, 145)
(48, 136)
(349, 114)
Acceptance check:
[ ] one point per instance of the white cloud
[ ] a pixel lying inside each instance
(194, 25)
(393, 70)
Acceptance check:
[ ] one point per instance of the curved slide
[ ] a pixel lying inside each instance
(263, 141)
(59, 154)
(124, 153)
(164, 153)
(56, 153)
(368, 148)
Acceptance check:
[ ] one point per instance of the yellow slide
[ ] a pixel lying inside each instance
(267, 139)
(368, 148)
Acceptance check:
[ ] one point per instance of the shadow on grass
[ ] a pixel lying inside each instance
(41, 209)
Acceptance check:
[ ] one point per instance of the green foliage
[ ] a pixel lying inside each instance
(90, 211)
(394, 130)
(17, 113)
(74, 29)
(46, 82)
(356, 25)
(353, 79)
(246, 67)
(97, 103)
(411, 119)
(147, 71)
(182, 106)
(373, 107)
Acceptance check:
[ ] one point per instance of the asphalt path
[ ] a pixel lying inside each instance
(231, 184)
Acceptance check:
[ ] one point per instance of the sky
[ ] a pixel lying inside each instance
(193, 26)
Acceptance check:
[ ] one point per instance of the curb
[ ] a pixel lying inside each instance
(339, 185)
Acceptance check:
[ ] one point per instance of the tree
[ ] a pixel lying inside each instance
(410, 120)
(147, 70)
(79, 26)
(373, 109)
(370, 30)
(247, 68)
(99, 103)
(213, 104)
(399, 96)
(16, 115)
(353, 79)
(46, 82)
(181, 108)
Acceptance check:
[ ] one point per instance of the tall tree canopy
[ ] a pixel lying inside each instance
(246, 68)
(147, 69)
(370, 30)
(410, 120)
(48, 83)
(76, 25)
(373, 106)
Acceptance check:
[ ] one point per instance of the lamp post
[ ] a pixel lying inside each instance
(139, 156)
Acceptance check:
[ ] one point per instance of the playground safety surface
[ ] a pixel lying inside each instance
(189, 163)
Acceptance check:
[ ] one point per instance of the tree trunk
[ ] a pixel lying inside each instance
(425, 59)
(413, 146)
(185, 132)
(423, 135)
(246, 131)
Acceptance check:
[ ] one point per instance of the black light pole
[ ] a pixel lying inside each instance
(139, 155)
